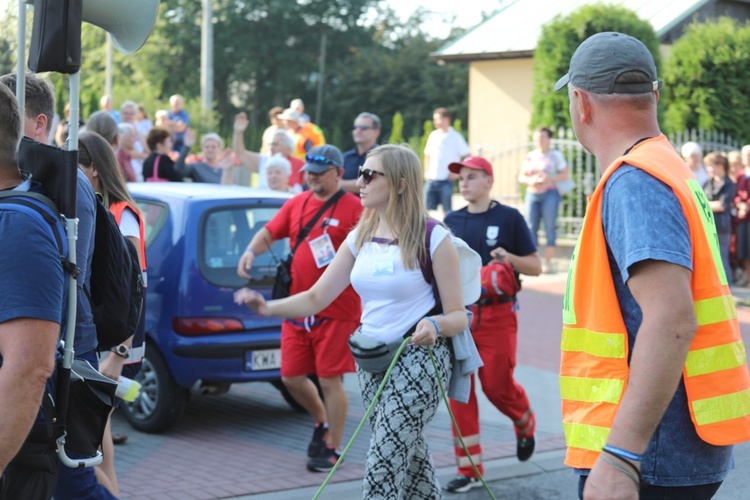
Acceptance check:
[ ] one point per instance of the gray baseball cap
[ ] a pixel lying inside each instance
(321, 158)
(603, 57)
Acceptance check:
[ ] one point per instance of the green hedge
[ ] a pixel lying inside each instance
(556, 45)
(706, 79)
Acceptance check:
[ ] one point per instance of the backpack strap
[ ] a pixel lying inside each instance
(39, 207)
(426, 264)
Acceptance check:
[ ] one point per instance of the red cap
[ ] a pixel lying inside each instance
(476, 162)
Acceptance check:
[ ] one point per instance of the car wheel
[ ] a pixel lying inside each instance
(161, 402)
(278, 384)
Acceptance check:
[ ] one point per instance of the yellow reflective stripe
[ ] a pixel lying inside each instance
(591, 390)
(721, 408)
(714, 359)
(715, 310)
(586, 437)
(603, 345)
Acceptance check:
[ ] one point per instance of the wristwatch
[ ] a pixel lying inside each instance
(121, 350)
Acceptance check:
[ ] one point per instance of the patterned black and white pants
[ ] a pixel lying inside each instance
(399, 465)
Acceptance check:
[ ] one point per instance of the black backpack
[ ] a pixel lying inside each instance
(116, 293)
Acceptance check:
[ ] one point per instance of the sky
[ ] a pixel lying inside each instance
(466, 13)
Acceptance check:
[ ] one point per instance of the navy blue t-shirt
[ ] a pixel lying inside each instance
(352, 161)
(34, 285)
(643, 220)
(500, 226)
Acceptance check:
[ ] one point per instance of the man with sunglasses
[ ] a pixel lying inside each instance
(316, 344)
(499, 234)
(365, 133)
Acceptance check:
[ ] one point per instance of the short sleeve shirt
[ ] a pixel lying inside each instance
(443, 149)
(643, 220)
(500, 226)
(337, 222)
(33, 287)
(394, 298)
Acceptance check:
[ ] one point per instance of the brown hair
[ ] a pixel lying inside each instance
(156, 136)
(444, 113)
(716, 158)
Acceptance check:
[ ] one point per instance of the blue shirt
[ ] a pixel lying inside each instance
(179, 137)
(352, 161)
(33, 286)
(500, 226)
(643, 220)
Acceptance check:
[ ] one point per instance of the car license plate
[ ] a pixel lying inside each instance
(268, 359)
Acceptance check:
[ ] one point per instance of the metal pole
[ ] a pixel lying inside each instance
(21, 60)
(207, 63)
(108, 72)
(321, 78)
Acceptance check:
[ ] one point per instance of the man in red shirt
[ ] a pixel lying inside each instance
(317, 344)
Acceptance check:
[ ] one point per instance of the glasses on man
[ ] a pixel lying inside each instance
(319, 159)
(361, 127)
(369, 174)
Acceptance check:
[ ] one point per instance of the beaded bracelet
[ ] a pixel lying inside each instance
(620, 453)
(437, 327)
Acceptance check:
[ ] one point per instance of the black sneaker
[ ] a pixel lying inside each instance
(318, 441)
(525, 448)
(323, 461)
(462, 484)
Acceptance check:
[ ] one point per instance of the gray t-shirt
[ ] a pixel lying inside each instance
(643, 220)
(202, 172)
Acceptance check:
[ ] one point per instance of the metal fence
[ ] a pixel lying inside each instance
(507, 159)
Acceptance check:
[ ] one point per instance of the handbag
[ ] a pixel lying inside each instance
(372, 355)
(155, 174)
(284, 268)
(375, 356)
(566, 186)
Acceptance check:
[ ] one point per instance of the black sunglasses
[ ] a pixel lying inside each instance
(368, 174)
(319, 159)
(361, 127)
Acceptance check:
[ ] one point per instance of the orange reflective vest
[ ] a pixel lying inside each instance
(307, 136)
(594, 368)
(117, 209)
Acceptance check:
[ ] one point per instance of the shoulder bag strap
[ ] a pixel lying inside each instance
(155, 173)
(303, 232)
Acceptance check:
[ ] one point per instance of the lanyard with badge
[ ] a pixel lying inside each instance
(322, 248)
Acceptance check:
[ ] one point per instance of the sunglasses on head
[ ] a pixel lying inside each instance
(368, 174)
(319, 159)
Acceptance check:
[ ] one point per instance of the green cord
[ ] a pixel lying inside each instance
(372, 405)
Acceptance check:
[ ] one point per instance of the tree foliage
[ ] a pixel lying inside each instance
(703, 76)
(266, 52)
(557, 43)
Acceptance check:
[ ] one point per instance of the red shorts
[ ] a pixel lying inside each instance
(323, 350)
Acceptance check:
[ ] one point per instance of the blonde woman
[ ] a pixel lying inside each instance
(382, 260)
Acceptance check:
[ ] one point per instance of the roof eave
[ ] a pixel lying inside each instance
(482, 56)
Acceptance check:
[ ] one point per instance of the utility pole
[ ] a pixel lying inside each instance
(108, 67)
(321, 78)
(207, 59)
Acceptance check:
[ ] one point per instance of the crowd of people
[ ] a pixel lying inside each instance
(653, 374)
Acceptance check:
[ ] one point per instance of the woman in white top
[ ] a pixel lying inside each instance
(382, 262)
(97, 160)
(542, 169)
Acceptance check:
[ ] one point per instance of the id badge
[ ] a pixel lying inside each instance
(322, 250)
(382, 267)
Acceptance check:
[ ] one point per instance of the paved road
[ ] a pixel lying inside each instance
(249, 444)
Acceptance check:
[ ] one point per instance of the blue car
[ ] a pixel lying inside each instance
(196, 334)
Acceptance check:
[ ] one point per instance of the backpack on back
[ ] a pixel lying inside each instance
(116, 292)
